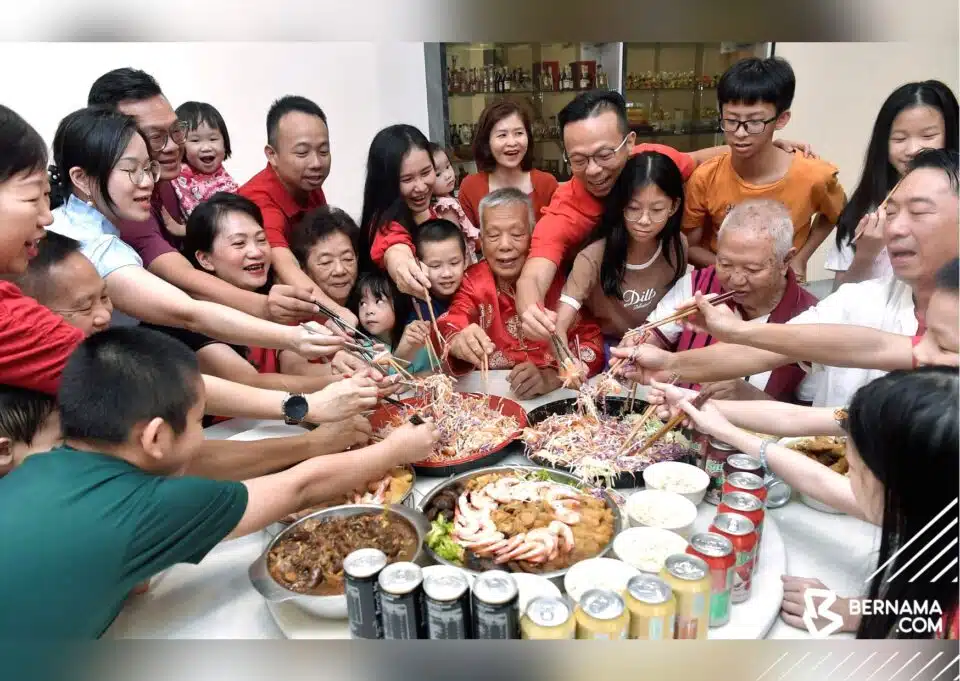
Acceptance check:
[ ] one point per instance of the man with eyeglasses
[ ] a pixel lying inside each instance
(597, 142)
(755, 97)
(138, 94)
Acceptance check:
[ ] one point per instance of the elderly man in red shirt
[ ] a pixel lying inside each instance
(482, 323)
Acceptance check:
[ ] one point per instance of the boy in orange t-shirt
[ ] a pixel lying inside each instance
(755, 97)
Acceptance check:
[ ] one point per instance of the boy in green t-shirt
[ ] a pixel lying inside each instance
(81, 525)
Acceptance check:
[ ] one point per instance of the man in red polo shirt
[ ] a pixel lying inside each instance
(597, 141)
(298, 162)
(137, 94)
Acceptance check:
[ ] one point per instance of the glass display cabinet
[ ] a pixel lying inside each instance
(670, 89)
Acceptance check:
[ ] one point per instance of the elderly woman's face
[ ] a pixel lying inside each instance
(747, 265)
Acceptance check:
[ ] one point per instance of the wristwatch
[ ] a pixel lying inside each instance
(766, 442)
(294, 408)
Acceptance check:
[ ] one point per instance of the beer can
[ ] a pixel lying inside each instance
(402, 601)
(602, 614)
(716, 454)
(689, 577)
(745, 482)
(361, 570)
(743, 535)
(717, 552)
(495, 605)
(652, 607)
(742, 463)
(447, 600)
(548, 618)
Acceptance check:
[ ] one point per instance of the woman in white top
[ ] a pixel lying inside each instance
(915, 116)
(104, 174)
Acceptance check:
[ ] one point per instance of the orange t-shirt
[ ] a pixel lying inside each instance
(809, 187)
(474, 187)
(573, 212)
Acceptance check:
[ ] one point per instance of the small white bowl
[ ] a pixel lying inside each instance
(597, 573)
(664, 475)
(647, 548)
(673, 511)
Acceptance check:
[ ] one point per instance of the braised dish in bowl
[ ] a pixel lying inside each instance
(304, 562)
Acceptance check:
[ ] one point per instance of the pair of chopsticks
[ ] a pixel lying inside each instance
(369, 357)
(647, 414)
(697, 402)
(883, 204)
(677, 316)
(415, 419)
(336, 319)
(432, 355)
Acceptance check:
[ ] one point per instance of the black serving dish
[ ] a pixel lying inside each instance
(609, 406)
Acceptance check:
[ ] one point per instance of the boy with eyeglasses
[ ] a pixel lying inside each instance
(755, 97)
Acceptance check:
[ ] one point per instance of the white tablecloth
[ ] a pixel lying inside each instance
(215, 599)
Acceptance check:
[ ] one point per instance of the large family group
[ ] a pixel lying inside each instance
(146, 292)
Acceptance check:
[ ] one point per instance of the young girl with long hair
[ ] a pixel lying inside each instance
(915, 116)
(635, 254)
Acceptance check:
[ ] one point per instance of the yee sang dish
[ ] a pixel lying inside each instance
(589, 446)
(517, 522)
(468, 425)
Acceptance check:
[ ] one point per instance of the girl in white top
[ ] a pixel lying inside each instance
(915, 116)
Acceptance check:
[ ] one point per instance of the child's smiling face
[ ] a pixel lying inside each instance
(205, 149)
(376, 314)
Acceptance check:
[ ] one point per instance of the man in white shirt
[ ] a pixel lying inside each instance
(921, 236)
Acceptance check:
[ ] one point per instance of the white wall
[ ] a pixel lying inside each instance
(362, 87)
(840, 87)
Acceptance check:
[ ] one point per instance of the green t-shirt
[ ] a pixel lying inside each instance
(78, 530)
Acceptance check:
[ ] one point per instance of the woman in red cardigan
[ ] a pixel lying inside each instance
(503, 151)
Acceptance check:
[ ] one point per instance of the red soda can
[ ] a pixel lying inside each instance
(714, 458)
(742, 463)
(742, 533)
(748, 506)
(717, 552)
(745, 482)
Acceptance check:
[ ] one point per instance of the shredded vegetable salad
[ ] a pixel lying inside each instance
(589, 446)
(467, 424)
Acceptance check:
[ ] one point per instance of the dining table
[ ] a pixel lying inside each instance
(215, 599)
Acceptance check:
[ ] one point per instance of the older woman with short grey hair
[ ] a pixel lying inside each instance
(754, 250)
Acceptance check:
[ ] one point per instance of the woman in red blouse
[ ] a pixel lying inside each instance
(396, 199)
(503, 151)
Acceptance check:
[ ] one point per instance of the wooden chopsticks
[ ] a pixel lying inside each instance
(883, 203)
(671, 424)
(432, 355)
(647, 413)
(685, 312)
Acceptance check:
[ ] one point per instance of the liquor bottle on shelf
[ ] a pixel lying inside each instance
(507, 80)
(601, 77)
(585, 78)
(546, 80)
(455, 140)
(567, 78)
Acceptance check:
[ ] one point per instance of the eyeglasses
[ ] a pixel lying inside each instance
(655, 215)
(754, 127)
(178, 133)
(603, 157)
(137, 175)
